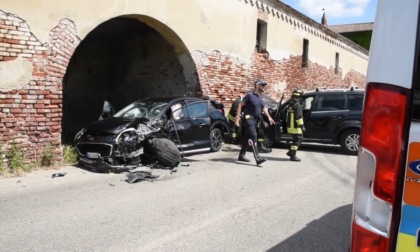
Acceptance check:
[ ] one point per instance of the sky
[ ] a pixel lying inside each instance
(337, 11)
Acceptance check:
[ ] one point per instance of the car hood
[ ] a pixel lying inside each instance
(114, 125)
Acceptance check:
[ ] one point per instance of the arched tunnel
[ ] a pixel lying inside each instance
(122, 60)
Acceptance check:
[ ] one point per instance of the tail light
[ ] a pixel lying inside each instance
(380, 162)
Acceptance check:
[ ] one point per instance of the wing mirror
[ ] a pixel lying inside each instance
(107, 111)
(161, 123)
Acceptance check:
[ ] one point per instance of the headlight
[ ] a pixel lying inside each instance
(128, 135)
(79, 134)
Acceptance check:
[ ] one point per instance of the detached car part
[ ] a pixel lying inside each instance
(139, 176)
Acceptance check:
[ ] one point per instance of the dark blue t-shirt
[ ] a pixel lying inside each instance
(253, 104)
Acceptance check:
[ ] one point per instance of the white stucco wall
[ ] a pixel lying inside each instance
(285, 39)
(228, 26)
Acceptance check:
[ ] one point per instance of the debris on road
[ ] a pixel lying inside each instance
(137, 176)
(60, 174)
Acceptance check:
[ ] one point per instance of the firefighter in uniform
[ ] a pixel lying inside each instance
(235, 131)
(294, 121)
(252, 105)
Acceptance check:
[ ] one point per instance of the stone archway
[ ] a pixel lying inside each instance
(124, 59)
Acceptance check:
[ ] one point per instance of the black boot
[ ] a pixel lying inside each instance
(257, 157)
(294, 158)
(262, 148)
(292, 155)
(242, 154)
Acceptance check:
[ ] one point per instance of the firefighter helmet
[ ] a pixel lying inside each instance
(297, 93)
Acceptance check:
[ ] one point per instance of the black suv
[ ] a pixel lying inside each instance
(331, 116)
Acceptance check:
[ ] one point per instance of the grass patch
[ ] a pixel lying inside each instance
(69, 155)
(2, 166)
(12, 161)
(15, 158)
(47, 156)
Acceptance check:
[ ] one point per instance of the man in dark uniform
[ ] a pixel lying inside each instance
(252, 105)
(236, 132)
(294, 121)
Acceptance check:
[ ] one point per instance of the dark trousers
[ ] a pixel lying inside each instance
(250, 126)
(296, 141)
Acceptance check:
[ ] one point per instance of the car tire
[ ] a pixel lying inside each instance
(165, 152)
(350, 141)
(216, 140)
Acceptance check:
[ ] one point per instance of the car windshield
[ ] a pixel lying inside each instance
(142, 109)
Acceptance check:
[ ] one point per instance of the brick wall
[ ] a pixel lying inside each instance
(30, 115)
(224, 77)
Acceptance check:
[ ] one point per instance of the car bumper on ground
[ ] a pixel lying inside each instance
(99, 165)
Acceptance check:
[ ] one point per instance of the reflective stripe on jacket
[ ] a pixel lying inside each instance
(293, 125)
(231, 117)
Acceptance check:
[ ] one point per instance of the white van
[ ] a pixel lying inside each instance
(386, 207)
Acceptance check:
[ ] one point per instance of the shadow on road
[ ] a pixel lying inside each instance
(314, 147)
(329, 233)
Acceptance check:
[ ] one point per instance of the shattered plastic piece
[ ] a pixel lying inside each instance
(60, 174)
(139, 176)
(185, 165)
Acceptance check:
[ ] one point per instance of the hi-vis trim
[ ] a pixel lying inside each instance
(408, 239)
(410, 223)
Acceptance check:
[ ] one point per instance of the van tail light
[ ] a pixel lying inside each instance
(380, 166)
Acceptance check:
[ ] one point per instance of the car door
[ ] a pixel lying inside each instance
(199, 133)
(327, 113)
(191, 125)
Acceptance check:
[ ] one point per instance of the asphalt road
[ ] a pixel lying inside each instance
(212, 203)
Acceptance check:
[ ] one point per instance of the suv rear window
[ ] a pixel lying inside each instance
(355, 101)
(330, 102)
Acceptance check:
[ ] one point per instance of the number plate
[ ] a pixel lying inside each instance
(92, 155)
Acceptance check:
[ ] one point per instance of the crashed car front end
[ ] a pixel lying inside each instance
(112, 152)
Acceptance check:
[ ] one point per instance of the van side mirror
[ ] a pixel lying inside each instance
(107, 111)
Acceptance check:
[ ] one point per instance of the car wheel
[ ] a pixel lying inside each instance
(165, 151)
(349, 141)
(216, 139)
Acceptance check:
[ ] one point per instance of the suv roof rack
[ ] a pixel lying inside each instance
(318, 89)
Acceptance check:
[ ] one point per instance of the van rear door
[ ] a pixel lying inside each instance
(386, 207)
(408, 238)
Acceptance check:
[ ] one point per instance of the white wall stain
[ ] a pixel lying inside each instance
(15, 74)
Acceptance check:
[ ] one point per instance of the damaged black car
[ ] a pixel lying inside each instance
(151, 129)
